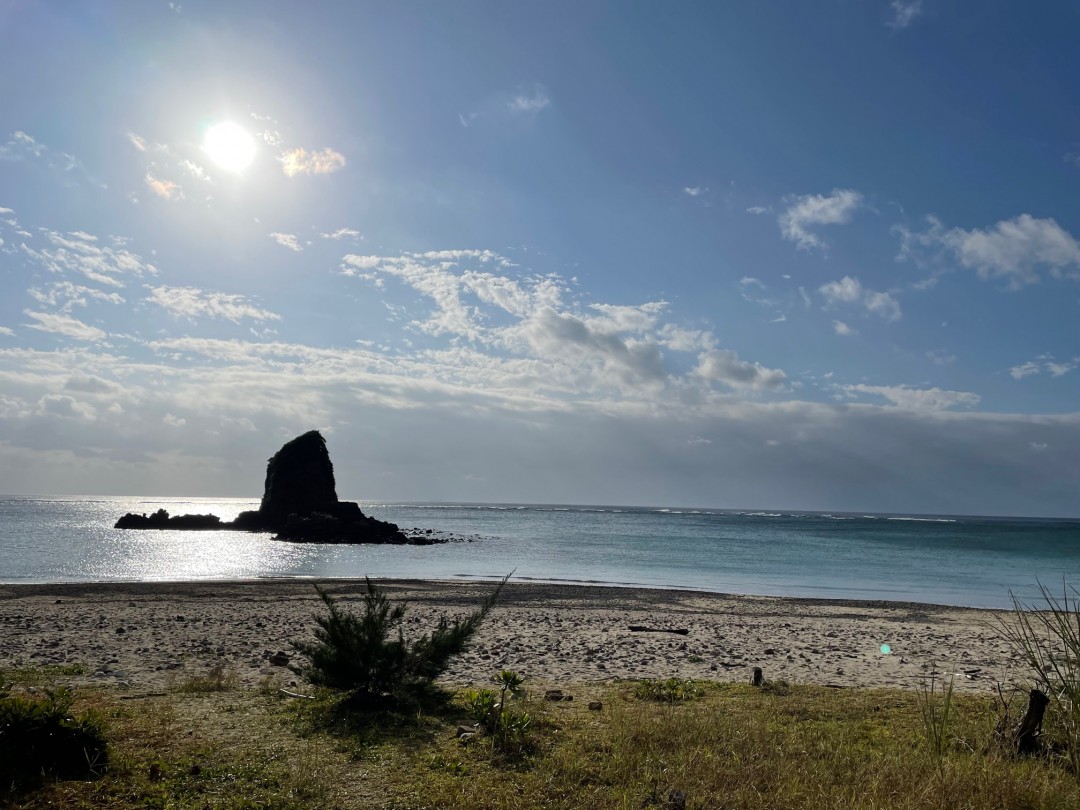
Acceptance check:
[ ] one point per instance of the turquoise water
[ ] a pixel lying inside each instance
(948, 560)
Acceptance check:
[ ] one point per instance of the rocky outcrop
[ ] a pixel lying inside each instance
(299, 503)
(161, 520)
(300, 480)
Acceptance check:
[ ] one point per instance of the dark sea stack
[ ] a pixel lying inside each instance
(299, 504)
(299, 480)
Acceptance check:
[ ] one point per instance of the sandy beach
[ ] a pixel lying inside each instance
(148, 636)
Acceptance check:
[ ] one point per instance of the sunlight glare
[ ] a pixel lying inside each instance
(230, 146)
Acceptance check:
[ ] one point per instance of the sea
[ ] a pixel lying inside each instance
(938, 559)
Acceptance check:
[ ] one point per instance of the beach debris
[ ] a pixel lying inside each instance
(758, 678)
(640, 628)
(556, 695)
(289, 693)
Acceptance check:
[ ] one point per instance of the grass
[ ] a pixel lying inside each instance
(217, 679)
(1047, 639)
(731, 746)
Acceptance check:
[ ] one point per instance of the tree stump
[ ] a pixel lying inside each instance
(1028, 735)
(758, 677)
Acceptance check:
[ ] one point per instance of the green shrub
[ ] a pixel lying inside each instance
(359, 654)
(507, 726)
(672, 690)
(41, 736)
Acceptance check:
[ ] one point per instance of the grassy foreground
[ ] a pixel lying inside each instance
(207, 743)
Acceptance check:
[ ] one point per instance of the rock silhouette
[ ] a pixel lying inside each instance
(299, 480)
(299, 503)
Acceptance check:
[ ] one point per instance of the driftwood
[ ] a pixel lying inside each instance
(640, 628)
(287, 693)
(1028, 736)
(758, 678)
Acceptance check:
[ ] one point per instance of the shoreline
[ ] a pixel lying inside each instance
(150, 635)
(517, 581)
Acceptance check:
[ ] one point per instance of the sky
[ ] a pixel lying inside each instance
(753, 254)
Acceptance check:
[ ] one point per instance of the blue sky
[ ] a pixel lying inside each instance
(816, 255)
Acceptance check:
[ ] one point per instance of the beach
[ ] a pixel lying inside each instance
(152, 635)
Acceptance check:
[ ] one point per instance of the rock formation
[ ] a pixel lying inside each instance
(161, 520)
(299, 503)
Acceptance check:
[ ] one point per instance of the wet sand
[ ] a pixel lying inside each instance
(148, 636)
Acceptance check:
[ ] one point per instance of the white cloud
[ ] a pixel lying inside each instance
(82, 254)
(850, 290)
(318, 161)
(7, 331)
(530, 104)
(941, 357)
(724, 365)
(1024, 370)
(19, 146)
(750, 281)
(758, 210)
(67, 295)
(695, 191)
(1015, 249)
(91, 384)
(680, 339)
(592, 347)
(195, 170)
(65, 407)
(189, 302)
(342, 233)
(883, 304)
(137, 141)
(916, 399)
(286, 240)
(807, 212)
(904, 12)
(22, 146)
(64, 325)
(842, 329)
(1044, 363)
(173, 421)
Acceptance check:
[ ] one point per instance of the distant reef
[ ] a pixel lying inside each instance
(299, 503)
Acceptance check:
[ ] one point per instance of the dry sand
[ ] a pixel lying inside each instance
(147, 636)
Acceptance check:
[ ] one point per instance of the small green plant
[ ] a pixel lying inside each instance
(1047, 639)
(671, 690)
(507, 726)
(358, 654)
(40, 736)
(935, 705)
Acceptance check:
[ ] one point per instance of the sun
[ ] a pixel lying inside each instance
(230, 146)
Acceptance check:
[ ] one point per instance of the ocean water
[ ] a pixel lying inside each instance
(975, 561)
